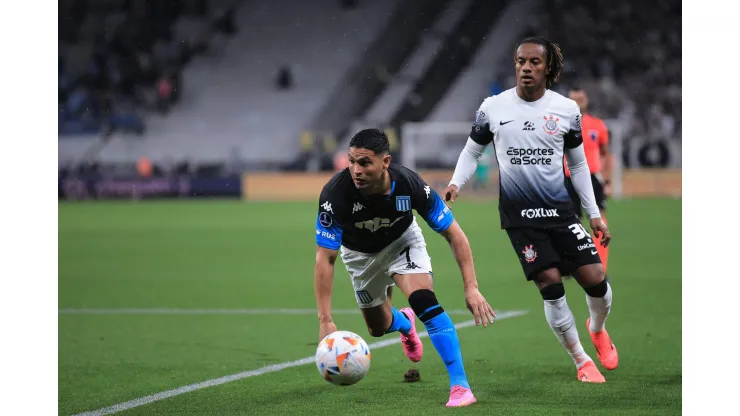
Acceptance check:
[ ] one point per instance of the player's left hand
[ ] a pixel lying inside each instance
(601, 231)
(479, 307)
(607, 190)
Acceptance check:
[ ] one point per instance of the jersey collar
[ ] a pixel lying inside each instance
(393, 188)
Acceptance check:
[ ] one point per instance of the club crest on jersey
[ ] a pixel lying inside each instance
(551, 125)
(529, 253)
(593, 134)
(403, 203)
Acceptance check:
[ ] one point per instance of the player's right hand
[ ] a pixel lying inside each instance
(326, 328)
(478, 305)
(451, 193)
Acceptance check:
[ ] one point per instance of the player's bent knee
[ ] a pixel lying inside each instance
(410, 283)
(548, 277)
(553, 292)
(425, 305)
(598, 290)
(590, 275)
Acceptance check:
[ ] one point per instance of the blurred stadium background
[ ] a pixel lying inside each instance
(255, 101)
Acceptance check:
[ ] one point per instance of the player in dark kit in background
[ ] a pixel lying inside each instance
(531, 127)
(366, 212)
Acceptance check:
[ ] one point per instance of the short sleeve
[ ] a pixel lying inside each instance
(604, 136)
(429, 205)
(481, 132)
(573, 137)
(328, 223)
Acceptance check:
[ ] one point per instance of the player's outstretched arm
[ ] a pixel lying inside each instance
(463, 254)
(480, 136)
(467, 162)
(323, 281)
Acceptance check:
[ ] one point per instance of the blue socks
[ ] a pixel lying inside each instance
(441, 331)
(400, 323)
(443, 334)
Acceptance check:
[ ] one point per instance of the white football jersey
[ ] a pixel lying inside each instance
(529, 139)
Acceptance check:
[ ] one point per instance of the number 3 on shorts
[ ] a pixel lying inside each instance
(579, 231)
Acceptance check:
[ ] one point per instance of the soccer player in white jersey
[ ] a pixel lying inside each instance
(531, 127)
(366, 214)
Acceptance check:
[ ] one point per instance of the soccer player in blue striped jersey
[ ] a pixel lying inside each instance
(366, 214)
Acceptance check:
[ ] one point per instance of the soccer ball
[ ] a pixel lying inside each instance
(343, 358)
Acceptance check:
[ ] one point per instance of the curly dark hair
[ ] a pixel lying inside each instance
(554, 57)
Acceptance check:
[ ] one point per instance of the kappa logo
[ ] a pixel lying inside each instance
(551, 125)
(428, 191)
(327, 207)
(529, 253)
(357, 207)
(540, 213)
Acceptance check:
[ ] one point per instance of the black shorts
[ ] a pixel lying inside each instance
(598, 194)
(566, 247)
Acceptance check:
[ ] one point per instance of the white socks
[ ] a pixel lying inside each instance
(563, 324)
(599, 309)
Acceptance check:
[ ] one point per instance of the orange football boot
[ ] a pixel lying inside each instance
(589, 373)
(605, 348)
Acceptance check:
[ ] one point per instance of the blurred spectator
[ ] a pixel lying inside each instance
(225, 24)
(144, 167)
(285, 78)
(115, 55)
(164, 94)
(626, 54)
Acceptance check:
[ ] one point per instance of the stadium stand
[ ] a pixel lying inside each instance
(253, 101)
(631, 74)
(219, 82)
(119, 60)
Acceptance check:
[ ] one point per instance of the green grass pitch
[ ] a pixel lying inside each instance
(238, 255)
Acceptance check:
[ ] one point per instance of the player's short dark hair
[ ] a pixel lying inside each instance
(554, 57)
(371, 139)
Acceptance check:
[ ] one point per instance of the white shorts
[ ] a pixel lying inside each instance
(372, 274)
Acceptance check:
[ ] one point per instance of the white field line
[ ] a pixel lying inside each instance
(258, 372)
(177, 311)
